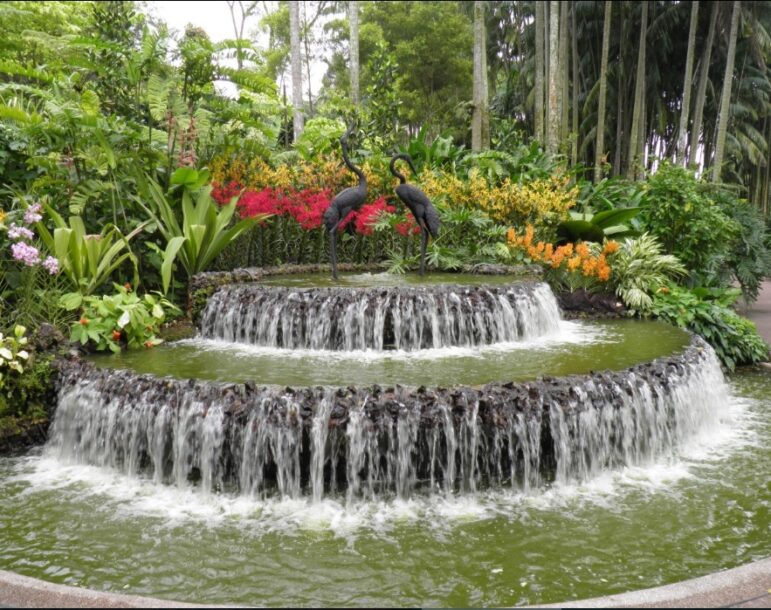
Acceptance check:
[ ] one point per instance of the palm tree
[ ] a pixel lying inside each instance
(600, 148)
(725, 98)
(682, 135)
(297, 75)
(639, 99)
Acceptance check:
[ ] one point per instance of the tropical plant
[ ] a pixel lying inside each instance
(202, 232)
(640, 268)
(586, 226)
(120, 319)
(88, 260)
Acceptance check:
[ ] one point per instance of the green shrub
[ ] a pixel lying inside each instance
(688, 223)
(123, 318)
(735, 339)
(24, 378)
(749, 257)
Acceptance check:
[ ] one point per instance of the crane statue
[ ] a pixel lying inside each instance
(421, 207)
(344, 203)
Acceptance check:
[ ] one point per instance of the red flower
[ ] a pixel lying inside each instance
(149, 344)
(222, 193)
(83, 321)
(408, 227)
(116, 335)
(252, 203)
(368, 215)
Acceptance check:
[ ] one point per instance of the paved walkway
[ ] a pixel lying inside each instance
(760, 311)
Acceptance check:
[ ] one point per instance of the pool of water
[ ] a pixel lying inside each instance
(577, 347)
(705, 509)
(376, 280)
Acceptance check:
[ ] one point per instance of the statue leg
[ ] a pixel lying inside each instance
(423, 242)
(333, 251)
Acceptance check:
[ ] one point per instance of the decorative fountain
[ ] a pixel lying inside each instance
(454, 435)
(380, 440)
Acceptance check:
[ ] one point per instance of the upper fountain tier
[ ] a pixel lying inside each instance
(405, 318)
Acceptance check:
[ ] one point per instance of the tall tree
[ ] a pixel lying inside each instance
(479, 121)
(554, 105)
(725, 97)
(639, 94)
(540, 18)
(576, 79)
(599, 150)
(701, 93)
(682, 135)
(297, 75)
(353, 21)
(564, 71)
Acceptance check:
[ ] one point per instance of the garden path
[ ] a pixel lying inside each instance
(760, 311)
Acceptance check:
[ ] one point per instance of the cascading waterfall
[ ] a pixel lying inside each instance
(380, 442)
(379, 318)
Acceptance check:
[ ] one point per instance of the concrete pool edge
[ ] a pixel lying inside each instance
(748, 586)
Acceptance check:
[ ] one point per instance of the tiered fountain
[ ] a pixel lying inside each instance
(377, 442)
(382, 439)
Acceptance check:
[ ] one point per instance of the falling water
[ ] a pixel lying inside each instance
(380, 318)
(377, 442)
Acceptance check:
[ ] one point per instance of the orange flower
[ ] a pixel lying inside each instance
(610, 247)
(589, 267)
(582, 250)
(116, 335)
(83, 321)
(574, 263)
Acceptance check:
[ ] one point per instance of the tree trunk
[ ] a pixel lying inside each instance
(682, 136)
(353, 20)
(553, 111)
(599, 151)
(639, 91)
(725, 97)
(539, 70)
(479, 76)
(297, 75)
(564, 71)
(574, 54)
(701, 94)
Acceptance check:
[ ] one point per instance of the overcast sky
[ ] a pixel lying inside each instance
(214, 17)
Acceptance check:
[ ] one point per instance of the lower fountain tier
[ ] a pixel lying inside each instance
(371, 441)
(391, 317)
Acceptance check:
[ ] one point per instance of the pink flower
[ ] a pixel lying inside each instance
(32, 214)
(23, 252)
(51, 265)
(15, 232)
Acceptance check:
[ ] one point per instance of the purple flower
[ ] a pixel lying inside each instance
(32, 214)
(51, 265)
(23, 252)
(15, 232)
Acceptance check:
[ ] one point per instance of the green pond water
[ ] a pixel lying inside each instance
(577, 347)
(373, 280)
(704, 510)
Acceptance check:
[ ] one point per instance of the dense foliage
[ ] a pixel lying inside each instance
(122, 163)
